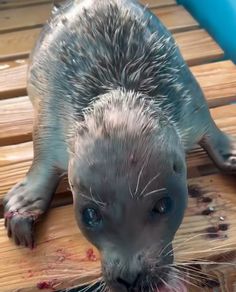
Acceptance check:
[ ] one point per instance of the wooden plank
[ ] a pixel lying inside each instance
(176, 18)
(218, 81)
(11, 4)
(13, 79)
(16, 121)
(60, 255)
(15, 160)
(25, 17)
(158, 3)
(17, 44)
(198, 47)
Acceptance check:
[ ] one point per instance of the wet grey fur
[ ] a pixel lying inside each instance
(119, 45)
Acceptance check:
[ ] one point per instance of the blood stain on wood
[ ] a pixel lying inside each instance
(207, 200)
(212, 232)
(194, 191)
(46, 285)
(223, 226)
(90, 256)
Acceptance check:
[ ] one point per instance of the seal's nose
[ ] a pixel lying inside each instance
(129, 282)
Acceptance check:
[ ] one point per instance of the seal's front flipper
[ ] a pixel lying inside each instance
(26, 202)
(221, 148)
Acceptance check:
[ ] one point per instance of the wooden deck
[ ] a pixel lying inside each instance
(60, 255)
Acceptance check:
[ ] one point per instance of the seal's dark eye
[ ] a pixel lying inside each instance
(91, 217)
(163, 206)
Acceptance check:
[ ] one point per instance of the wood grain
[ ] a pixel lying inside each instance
(25, 17)
(218, 81)
(198, 47)
(13, 79)
(157, 3)
(60, 254)
(16, 121)
(9, 4)
(15, 160)
(176, 18)
(17, 44)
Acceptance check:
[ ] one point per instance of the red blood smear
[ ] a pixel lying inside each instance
(45, 285)
(90, 255)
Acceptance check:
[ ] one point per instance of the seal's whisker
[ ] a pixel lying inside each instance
(130, 191)
(100, 287)
(207, 263)
(165, 247)
(149, 182)
(180, 244)
(154, 192)
(218, 247)
(197, 277)
(185, 280)
(205, 250)
(166, 284)
(138, 180)
(99, 202)
(88, 284)
(188, 269)
(92, 199)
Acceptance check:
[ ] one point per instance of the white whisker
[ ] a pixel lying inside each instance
(150, 181)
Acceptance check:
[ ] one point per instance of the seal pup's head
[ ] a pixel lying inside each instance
(128, 177)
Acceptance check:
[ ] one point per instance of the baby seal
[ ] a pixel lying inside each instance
(117, 107)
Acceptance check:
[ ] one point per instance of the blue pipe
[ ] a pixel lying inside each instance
(218, 17)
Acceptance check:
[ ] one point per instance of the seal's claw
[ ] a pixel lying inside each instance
(23, 207)
(20, 226)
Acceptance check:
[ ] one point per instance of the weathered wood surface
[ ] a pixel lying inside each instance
(218, 81)
(13, 78)
(176, 18)
(15, 160)
(198, 47)
(60, 251)
(16, 120)
(158, 3)
(11, 4)
(27, 17)
(7, 4)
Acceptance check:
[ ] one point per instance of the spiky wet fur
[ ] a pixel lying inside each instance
(111, 47)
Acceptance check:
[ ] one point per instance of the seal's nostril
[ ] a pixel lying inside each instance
(124, 283)
(127, 282)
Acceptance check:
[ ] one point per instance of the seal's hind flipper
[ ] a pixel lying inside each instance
(221, 148)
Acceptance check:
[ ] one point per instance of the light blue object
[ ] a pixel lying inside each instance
(218, 17)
